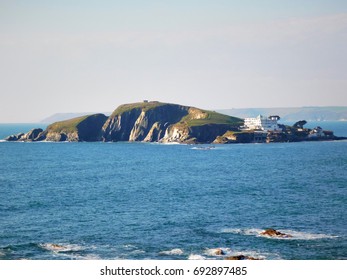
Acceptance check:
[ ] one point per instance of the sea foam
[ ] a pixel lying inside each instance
(172, 252)
(61, 247)
(296, 235)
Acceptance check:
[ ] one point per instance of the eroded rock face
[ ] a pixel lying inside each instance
(118, 127)
(61, 137)
(32, 135)
(14, 137)
(177, 133)
(142, 124)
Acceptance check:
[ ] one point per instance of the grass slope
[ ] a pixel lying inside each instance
(67, 126)
(145, 106)
(211, 117)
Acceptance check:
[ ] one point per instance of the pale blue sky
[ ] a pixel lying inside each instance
(91, 56)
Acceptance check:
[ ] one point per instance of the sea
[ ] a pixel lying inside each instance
(149, 201)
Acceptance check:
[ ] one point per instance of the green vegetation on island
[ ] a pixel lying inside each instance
(153, 121)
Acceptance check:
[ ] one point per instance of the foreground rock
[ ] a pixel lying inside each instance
(274, 233)
(240, 258)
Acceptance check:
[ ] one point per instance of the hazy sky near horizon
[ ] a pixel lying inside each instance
(91, 56)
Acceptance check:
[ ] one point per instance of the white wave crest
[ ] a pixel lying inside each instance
(129, 246)
(228, 252)
(214, 252)
(176, 252)
(61, 247)
(170, 143)
(251, 231)
(296, 235)
(255, 255)
(306, 235)
(196, 257)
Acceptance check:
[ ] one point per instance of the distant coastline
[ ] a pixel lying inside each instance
(288, 114)
(292, 114)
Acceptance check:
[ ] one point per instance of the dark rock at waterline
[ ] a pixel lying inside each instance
(14, 137)
(32, 135)
(274, 233)
(240, 258)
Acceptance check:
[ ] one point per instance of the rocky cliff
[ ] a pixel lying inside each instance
(144, 121)
(86, 128)
(163, 122)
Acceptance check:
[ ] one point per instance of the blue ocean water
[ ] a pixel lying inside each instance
(153, 201)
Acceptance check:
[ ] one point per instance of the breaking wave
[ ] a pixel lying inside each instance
(196, 257)
(61, 247)
(210, 254)
(296, 235)
(173, 252)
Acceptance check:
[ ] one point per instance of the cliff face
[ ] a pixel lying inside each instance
(86, 128)
(146, 121)
(206, 133)
(142, 123)
(162, 122)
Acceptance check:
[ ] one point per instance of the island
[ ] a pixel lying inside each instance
(154, 121)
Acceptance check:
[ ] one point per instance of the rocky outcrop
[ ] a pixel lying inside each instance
(195, 134)
(86, 128)
(235, 137)
(240, 258)
(274, 233)
(218, 252)
(14, 137)
(32, 135)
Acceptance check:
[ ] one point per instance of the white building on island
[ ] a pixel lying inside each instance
(262, 123)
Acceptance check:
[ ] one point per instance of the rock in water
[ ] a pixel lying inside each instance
(239, 258)
(274, 233)
(14, 137)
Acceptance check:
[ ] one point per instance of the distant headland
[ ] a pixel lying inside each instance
(153, 121)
